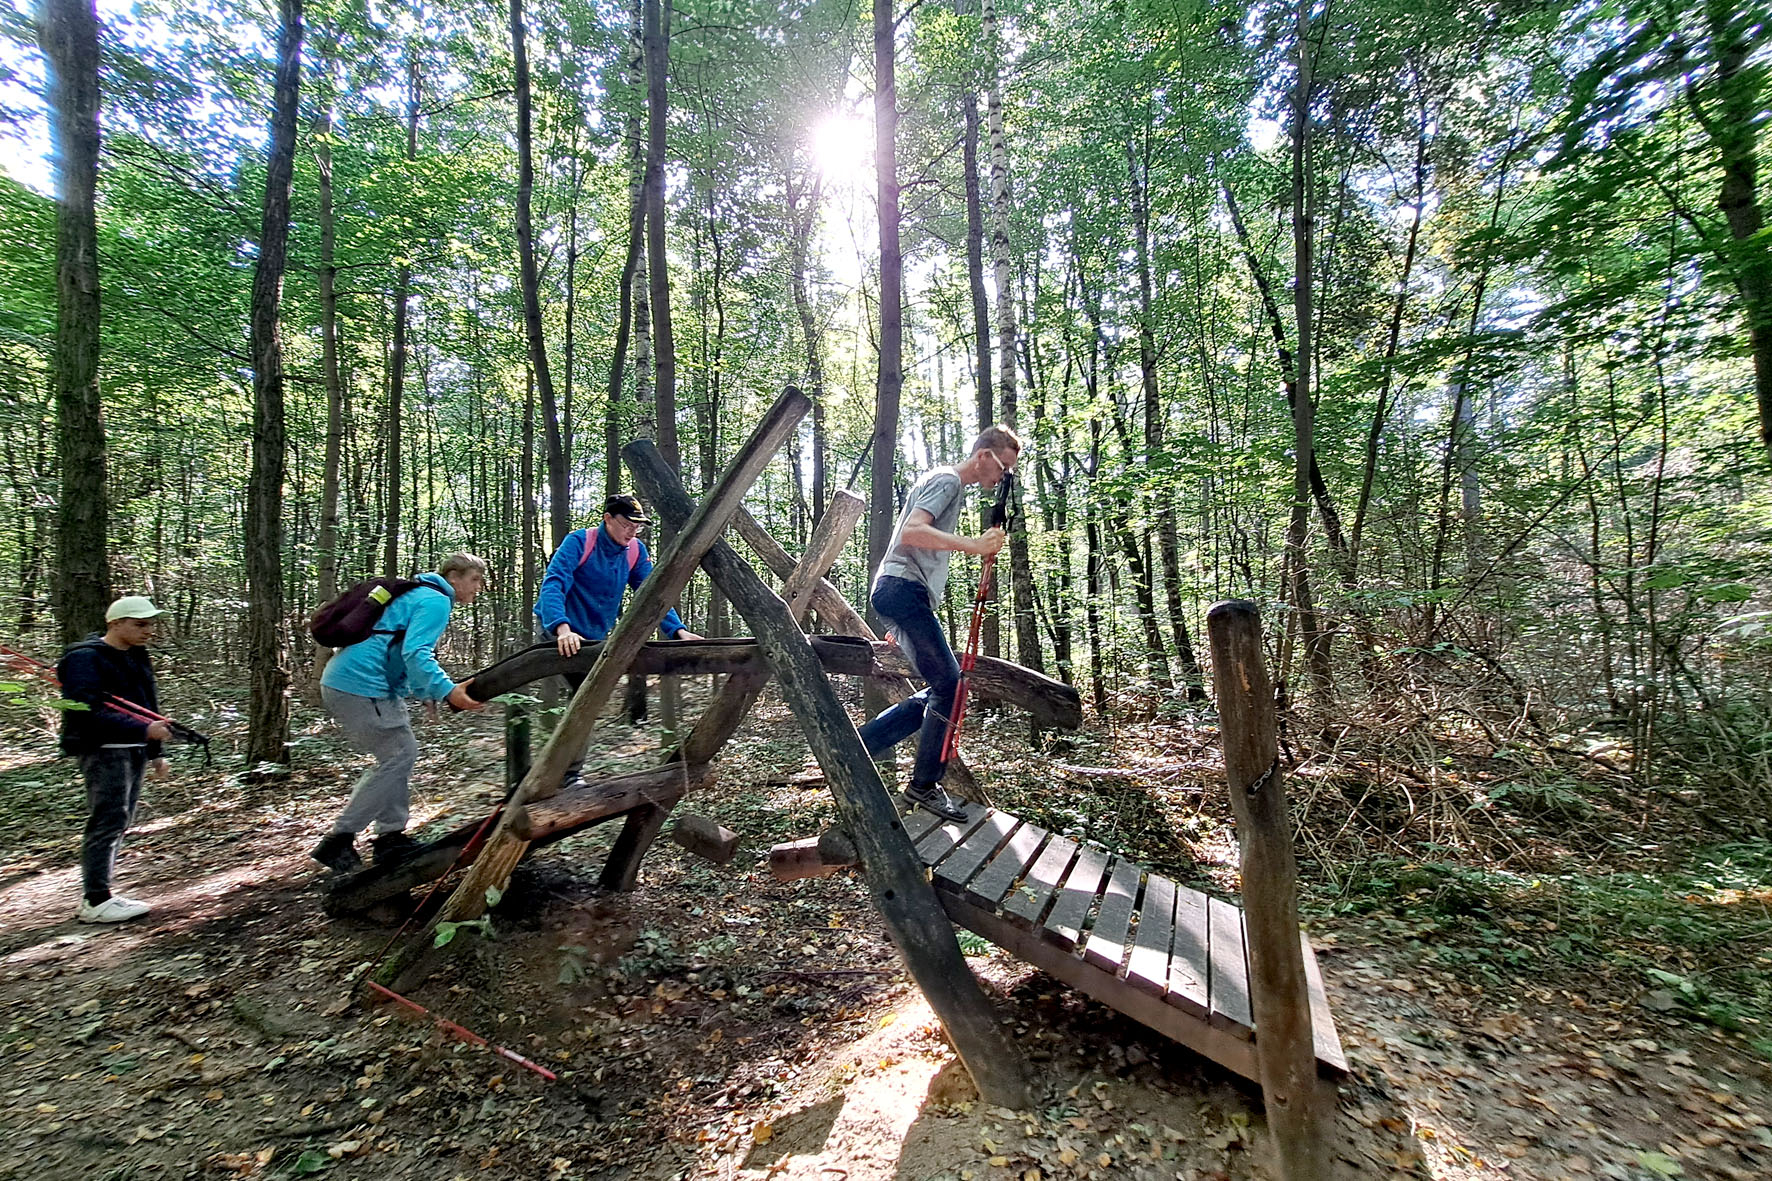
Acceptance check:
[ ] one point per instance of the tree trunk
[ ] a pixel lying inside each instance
(268, 734)
(801, 223)
(397, 358)
(69, 33)
(889, 381)
(630, 267)
(656, 35)
(1316, 639)
(326, 543)
(559, 506)
(1734, 131)
(1168, 547)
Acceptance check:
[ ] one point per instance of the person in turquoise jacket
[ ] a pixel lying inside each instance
(365, 688)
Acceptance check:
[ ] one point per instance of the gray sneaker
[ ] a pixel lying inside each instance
(931, 797)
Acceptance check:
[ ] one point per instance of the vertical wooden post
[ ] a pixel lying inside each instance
(1279, 993)
(516, 745)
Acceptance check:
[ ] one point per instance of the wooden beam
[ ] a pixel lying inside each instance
(1050, 701)
(705, 837)
(896, 879)
(696, 532)
(1281, 1000)
(836, 612)
(849, 655)
(568, 811)
(727, 711)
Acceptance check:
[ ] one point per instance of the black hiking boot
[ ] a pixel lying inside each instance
(337, 853)
(391, 848)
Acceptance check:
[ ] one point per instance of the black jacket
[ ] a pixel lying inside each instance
(92, 670)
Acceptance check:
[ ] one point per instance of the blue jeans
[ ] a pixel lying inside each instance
(906, 606)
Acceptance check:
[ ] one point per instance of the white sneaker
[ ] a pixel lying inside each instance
(115, 909)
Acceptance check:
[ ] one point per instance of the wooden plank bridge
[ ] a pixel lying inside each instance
(1165, 955)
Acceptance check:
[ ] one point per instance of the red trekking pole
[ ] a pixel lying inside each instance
(950, 742)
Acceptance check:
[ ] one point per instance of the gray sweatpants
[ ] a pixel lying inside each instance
(377, 726)
(113, 789)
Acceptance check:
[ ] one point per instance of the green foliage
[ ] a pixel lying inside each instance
(447, 931)
(653, 954)
(1697, 932)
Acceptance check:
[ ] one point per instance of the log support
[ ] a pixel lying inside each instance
(1280, 993)
(705, 837)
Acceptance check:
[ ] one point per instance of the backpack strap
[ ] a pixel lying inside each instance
(400, 632)
(591, 536)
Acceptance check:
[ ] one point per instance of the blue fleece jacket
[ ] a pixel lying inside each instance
(588, 595)
(376, 668)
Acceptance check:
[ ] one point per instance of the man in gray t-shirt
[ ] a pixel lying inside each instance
(906, 589)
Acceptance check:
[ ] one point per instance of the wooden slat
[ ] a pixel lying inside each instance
(988, 888)
(1325, 1042)
(918, 824)
(975, 850)
(1188, 960)
(1064, 926)
(1229, 972)
(1028, 901)
(1148, 967)
(1106, 948)
(939, 841)
(1197, 1035)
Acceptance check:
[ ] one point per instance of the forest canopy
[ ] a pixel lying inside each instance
(1444, 331)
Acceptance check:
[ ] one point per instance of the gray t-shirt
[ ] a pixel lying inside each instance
(939, 494)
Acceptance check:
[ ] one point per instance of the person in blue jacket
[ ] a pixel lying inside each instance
(581, 592)
(365, 687)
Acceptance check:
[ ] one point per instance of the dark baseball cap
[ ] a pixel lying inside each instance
(623, 505)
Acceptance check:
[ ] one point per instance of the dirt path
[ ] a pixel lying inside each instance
(715, 1023)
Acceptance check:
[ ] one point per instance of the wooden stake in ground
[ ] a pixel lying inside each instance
(504, 848)
(1281, 998)
(896, 879)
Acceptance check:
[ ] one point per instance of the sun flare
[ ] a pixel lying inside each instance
(843, 147)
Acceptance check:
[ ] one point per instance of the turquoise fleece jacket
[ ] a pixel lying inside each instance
(374, 668)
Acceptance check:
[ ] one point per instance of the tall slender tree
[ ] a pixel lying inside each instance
(889, 377)
(69, 33)
(656, 38)
(559, 504)
(268, 732)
